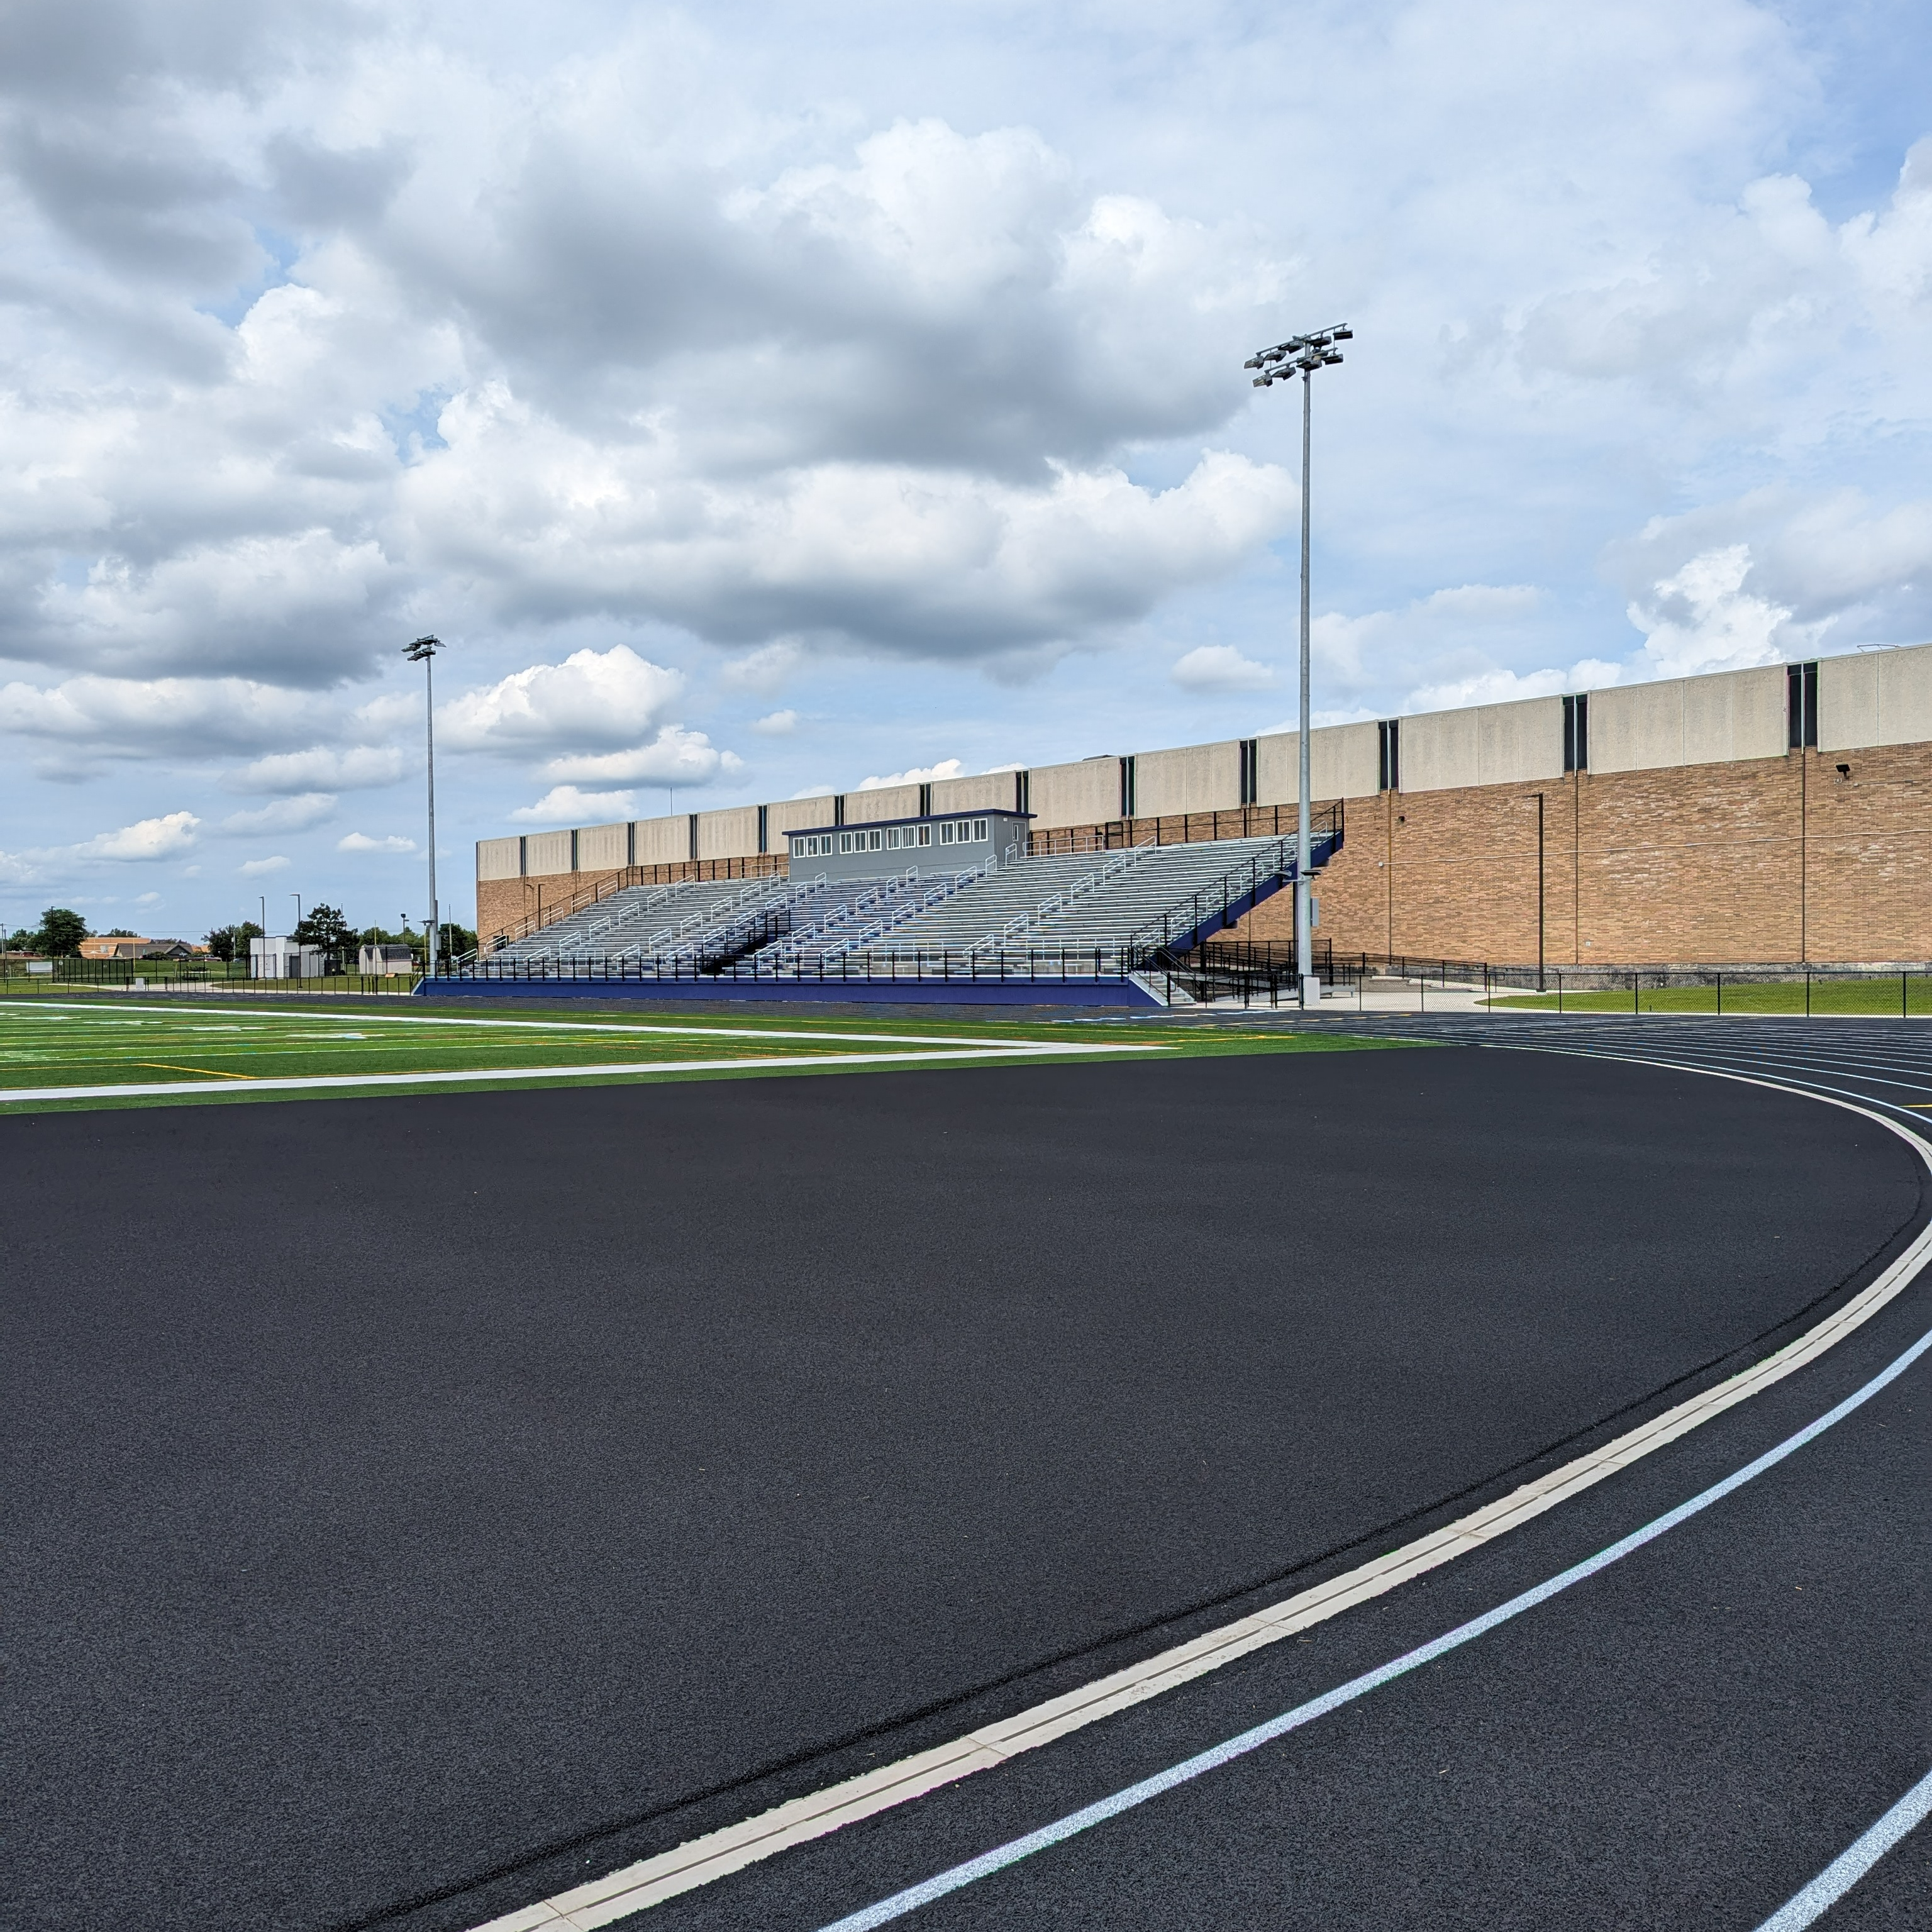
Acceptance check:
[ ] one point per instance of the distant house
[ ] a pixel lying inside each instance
(121, 945)
(385, 962)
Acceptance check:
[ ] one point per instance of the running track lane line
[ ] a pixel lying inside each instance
(1085, 1819)
(701, 1860)
(1806, 1907)
(305, 1082)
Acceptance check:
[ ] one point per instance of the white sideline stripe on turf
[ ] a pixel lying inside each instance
(297, 1017)
(1804, 1908)
(1061, 1829)
(700, 1861)
(300, 1082)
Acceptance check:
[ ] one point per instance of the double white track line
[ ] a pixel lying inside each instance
(700, 1861)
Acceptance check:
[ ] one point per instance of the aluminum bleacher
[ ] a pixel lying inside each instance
(1097, 915)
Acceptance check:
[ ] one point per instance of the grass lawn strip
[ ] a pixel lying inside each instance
(81, 1055)
(1876, 997)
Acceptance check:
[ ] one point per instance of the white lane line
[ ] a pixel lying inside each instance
(303, 1082)
(1851, 1864)
(282, 1018)
(1085, 1819)
(699, 1861)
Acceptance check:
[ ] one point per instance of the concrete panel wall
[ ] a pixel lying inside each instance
(1441, 750)
(1848, 716)
(1904, 694)
(732, 833)
(546, 853)
(1515, 744)
(601, 848)
(1638, 728)
(1344, 761)
(1086, 793)
(498, 858)
(991, 791)
(1875, 697)
(869, 808)
(1198, 778)
(796, 814)
(1739, 714)
(663, 841)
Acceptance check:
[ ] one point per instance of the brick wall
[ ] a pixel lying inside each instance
(1762, 859)
(1767, 858)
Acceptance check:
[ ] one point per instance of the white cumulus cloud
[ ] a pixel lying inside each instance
(566, 804)
(1221, 668)
(286, 815)
(259, 869)
(611, 697)
(353, 768)
(675, 757)
(147, 838)
(360, 841)
(946, 768)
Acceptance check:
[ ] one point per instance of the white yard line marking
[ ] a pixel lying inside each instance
(700, 1861)
(1004, 1856)
(303, 1082)
(1806, 1907)
(286, 1019)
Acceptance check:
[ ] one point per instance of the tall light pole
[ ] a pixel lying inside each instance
(1302, 356)
(423, 652)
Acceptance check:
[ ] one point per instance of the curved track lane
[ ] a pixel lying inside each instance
(1727, 1729)
(345, 1579)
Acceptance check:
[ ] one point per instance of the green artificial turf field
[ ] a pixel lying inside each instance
(122, 1051)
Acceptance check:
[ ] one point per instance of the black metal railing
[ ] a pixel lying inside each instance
(1059, 965)
(1235, 891)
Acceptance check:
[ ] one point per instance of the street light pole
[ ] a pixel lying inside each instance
(1302, 356)
(423, 652)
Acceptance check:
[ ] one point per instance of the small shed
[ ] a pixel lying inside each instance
(385, 962)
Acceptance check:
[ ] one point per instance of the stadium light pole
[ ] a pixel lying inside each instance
(1302, 356)
(423, 652)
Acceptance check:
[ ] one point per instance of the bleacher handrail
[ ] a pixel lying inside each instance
(1021, 921)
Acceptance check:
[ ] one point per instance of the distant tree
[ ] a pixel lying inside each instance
(325, 927)
(21, 940)
(122, 932)
(227, 943)
(61, 931)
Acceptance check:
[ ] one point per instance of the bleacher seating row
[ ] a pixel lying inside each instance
(1096, 907)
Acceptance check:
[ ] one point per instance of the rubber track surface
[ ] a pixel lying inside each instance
(399, 1489)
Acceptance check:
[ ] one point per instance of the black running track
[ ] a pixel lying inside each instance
(415, 1507)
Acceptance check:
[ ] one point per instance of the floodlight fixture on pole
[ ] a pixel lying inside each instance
(1302, 356)
(423, 651)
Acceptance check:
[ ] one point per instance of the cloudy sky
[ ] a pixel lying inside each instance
(761, 399)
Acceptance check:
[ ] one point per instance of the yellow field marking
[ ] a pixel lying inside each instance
(213, 1072)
